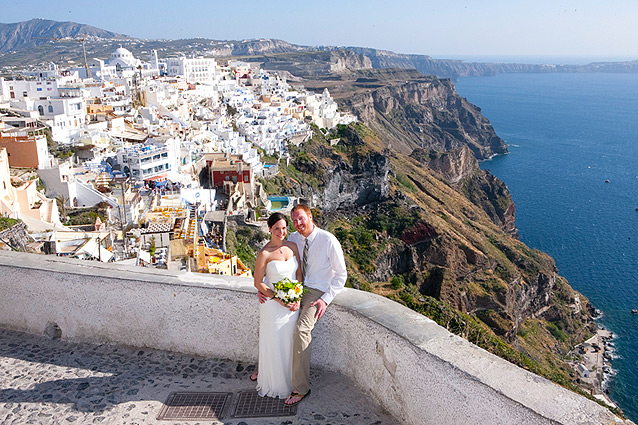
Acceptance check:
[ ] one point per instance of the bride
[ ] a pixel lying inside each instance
(276, 260)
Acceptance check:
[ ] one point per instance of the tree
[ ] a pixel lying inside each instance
(61, 200)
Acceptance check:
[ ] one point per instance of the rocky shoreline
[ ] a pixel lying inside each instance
(591, 360)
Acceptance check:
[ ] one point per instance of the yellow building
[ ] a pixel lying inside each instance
(215, 261)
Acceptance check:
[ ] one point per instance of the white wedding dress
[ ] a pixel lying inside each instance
(276, 326)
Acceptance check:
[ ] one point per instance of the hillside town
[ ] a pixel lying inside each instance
(145, 162)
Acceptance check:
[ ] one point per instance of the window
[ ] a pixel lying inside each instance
(40, 110)
(50, 109)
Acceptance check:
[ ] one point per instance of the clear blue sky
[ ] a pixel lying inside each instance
(443, 29)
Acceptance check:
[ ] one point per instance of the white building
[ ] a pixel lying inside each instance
(323, 110)
(39, 84)
(65, 116)
(61, 180)
(195, 70)
(149, 161)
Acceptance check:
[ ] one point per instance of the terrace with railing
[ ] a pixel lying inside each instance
(374, 361)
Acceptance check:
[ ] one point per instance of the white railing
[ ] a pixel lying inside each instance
(415, 369)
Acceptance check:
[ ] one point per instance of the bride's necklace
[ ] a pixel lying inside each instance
(280, 248)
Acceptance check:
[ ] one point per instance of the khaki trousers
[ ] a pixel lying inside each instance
(301, 341)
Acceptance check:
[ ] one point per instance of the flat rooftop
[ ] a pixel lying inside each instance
(52, 381)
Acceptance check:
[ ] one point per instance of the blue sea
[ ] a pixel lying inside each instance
(573, 174)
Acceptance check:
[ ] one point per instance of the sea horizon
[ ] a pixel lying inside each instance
(536, 59)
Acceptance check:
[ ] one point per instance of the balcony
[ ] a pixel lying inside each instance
(374, 361)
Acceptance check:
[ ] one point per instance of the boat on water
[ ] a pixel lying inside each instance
(634, 311)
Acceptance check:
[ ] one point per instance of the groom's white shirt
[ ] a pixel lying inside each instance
(326, 267)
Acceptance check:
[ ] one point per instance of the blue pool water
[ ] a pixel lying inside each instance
(278, 202)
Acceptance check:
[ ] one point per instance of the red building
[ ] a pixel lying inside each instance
(228, 168)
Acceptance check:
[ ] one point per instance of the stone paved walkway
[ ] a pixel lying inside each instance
(44, 381)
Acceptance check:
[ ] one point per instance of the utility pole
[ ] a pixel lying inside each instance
(122, 181)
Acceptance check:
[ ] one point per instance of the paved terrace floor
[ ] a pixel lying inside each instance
(44, 381)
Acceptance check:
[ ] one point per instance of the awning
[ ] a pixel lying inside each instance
(129, 135)
(160, 178)
(92, 249)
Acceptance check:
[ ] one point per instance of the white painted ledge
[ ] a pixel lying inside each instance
(418, 371)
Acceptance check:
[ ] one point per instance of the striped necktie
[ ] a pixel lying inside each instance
(304, 260)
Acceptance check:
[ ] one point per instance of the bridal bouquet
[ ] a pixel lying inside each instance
(289, 290)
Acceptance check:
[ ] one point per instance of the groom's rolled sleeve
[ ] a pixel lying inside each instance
(338, 265)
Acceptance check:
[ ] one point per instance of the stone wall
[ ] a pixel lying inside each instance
(414, 368)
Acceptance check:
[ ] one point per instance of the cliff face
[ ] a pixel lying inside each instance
(343, 182)
(314, 64)
(424, 113)
(461, 170)
(425, 118)
(451, 68)
(453, 166)
(400, 219)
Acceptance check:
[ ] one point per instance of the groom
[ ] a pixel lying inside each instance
(324, 271)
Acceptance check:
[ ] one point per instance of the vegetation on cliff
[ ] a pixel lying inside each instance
(419, 240)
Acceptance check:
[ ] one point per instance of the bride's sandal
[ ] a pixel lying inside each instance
(253, 377)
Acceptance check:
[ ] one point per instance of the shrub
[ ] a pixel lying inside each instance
(6, 222)
(405, 181)
(397, 282)
(558, 333)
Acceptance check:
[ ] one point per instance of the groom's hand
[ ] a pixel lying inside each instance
(321, 308)
(293, 306)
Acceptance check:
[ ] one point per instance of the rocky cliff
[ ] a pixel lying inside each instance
(425, 113)
(411, 232)
(453, 68)
(459, 168)
(314, 64)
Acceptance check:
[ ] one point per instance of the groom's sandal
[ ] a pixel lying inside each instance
(253, 377)
(295, 398)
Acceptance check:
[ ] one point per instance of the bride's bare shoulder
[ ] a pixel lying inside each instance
(264, 252)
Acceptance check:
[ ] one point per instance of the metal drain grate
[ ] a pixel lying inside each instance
(194, 406)
(250, 405)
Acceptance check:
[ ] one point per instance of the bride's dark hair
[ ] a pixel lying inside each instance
(274, 218)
